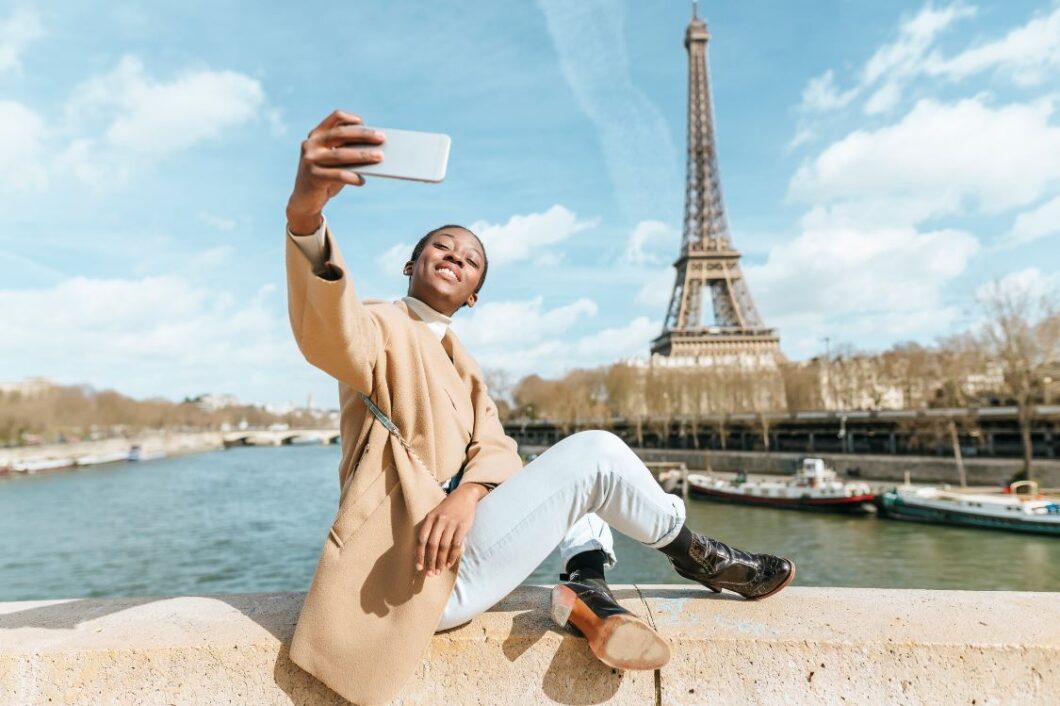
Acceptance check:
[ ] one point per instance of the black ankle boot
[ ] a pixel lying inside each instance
(719, 566)
(618, 638)
(585, 584)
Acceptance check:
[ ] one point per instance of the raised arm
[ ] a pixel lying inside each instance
(333, 329)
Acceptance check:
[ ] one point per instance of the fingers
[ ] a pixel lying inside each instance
(438, 545)
(343, 176)
(348, 156)
(456, 546)
(444, 549)
(349, 134)
(336, 117)
(421, 544)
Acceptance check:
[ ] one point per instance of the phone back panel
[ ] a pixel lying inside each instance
(407, 154)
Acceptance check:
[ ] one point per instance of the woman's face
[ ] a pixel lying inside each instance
(447, 271)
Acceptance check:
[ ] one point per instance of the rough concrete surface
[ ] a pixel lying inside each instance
(805, 645)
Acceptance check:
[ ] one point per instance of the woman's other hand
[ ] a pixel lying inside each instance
(340, 141)
(442, 533)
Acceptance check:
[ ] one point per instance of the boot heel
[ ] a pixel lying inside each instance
(563, 600)
(623, 641)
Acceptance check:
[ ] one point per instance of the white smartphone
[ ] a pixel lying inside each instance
(407, 154)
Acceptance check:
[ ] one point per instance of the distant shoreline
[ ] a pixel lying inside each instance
(24, 460)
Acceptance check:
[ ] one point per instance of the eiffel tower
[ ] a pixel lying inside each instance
(708, 260)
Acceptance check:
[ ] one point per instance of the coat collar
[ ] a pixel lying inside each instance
(456, 369)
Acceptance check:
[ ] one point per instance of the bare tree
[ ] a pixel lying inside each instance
(1021, 331)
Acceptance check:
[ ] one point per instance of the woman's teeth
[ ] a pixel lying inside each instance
(447, 273)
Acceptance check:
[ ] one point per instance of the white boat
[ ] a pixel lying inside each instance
(814, 487)
(1021, 512)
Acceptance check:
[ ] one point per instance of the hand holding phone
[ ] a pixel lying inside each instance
(332, 148)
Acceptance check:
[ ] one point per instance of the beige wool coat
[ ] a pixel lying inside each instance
(369, 615)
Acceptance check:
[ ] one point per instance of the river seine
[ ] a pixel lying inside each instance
(254, 519)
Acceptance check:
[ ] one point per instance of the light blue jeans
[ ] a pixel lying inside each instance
(566, 497)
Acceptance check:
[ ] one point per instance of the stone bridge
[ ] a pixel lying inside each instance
(285, 437)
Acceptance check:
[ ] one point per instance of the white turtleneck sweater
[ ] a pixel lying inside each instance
(313, 247)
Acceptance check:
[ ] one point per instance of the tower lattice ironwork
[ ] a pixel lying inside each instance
(708, 260)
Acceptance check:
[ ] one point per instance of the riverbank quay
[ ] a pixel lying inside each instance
(803, 646)
(71, 455)
(986, 472)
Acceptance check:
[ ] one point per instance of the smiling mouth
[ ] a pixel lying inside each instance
(447, 273)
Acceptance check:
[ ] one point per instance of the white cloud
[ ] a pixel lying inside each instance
(940, 159)
(884, 99)
(905, 56)
(150, 117)
(18, 31)
(115, 122)
(153, 335)
(651, 242)
(526, 236)
(520, 323)
(1029, 283)
(888, 69)
(848, 270)
(1029, 54)
(821, 94)
(803, 333)
(22, 137)
(1036, 223)
(522, 337)
(610, 344)
(120, 120)
(803, 135)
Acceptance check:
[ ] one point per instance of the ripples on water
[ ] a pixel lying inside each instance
(254, 519)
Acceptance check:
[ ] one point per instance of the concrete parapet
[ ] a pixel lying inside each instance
(803, 646)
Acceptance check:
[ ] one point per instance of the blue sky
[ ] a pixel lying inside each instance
(881, 164)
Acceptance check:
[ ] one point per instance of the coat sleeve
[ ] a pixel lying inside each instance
(492, 456)
(333, 329)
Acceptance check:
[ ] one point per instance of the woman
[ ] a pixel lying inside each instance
(404, 558)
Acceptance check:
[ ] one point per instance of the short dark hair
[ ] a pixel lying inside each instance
(418, 250)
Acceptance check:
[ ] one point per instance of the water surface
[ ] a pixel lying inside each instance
(254, 519)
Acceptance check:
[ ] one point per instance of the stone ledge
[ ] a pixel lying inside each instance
(806, 645)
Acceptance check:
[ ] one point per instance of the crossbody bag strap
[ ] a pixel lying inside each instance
(378, 413)
(392, 428)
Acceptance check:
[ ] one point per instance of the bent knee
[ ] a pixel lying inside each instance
(602, 440)
(605, 446)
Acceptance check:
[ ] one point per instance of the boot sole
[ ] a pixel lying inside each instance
(621, 641)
